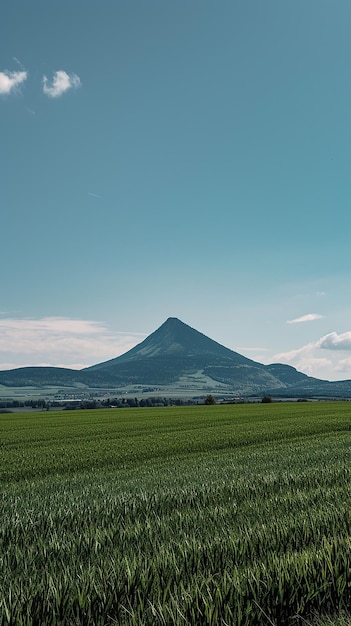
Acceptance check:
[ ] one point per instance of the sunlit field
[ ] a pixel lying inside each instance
(224, 515)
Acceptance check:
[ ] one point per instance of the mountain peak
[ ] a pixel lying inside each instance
(173, 321)
(175, 339)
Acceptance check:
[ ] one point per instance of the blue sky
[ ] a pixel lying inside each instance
(187, 159)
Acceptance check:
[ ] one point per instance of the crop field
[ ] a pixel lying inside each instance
(234, 515)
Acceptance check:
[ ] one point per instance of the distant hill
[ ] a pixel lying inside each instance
(176, 357)
(51, 377)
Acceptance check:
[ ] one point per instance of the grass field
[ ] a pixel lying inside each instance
(224, 515)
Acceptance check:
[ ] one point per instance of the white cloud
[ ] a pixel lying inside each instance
(311, 360)
(310, 317)
(307, 360)
(60, 83)
(62, 342)
(333, 341)
(344, 365)
(10, 81)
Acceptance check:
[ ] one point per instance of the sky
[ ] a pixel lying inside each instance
(184, 159)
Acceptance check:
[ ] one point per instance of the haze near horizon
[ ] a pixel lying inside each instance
(185, 159)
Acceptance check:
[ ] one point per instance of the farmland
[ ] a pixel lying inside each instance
(232, 515)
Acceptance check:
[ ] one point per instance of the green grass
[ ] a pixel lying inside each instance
(237, 515)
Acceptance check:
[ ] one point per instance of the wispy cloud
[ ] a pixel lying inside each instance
(18, 63)
(333, 341)
(10, 81)
(244, 348)
(95, 195)
(310, 317)
(60, 342)
(60, 83)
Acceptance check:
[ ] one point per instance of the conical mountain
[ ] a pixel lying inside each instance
(176, 354)
(174, 339)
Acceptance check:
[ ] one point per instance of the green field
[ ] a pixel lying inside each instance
(225, 515)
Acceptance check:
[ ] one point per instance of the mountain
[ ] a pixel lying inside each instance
(176, 358)
(176, 354)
